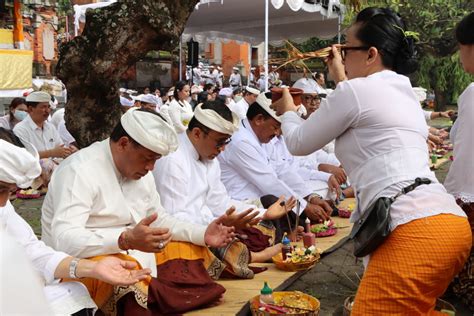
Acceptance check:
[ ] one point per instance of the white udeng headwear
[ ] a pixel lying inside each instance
(306, 86)
(214, 121)
(18, 165)
(150, 131)
(266, 103)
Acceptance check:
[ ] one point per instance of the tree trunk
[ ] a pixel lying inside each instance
(440, 99)
(114, 38)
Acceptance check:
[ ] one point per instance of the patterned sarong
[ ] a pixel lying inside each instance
(183, 284)
(413, 267)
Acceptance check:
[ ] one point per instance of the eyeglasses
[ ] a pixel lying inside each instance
(310, 98)
(223, 143)
(347, 48)
(219, 144)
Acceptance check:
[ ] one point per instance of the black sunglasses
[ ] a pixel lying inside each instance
(346, 48)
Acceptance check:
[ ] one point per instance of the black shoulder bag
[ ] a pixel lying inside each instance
(371, 230)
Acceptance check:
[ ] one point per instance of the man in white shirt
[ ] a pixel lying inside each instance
(321, 82)
(240, 108)
(110, 205)
(246, 169)
(252, 81)
(310, 99)
(189, 185)
(274, 77)
(35, 128)
(235, 80)
(261, 82)
(21, 280)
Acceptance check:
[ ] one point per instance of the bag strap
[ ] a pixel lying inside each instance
(411, 187)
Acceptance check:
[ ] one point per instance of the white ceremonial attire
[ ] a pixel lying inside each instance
(57, 117)
(42, 139)
(251, 78)
(196, 76)
(165, 112)
(21, 290)
(273, 77)
(64, 298)
(5, 122)
(307, 82)
(427, 115)
(87, 216)
(235, 80)
(261, 84)
(320, 90)
(180, 113)
(246, 170)
(293, 171)
(240, 108)
(380, 136)
(460, 178)
(191, 189)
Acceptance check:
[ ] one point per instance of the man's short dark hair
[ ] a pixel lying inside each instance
(255, 109)
(219, 107)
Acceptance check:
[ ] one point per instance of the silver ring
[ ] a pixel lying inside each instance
(161, 245)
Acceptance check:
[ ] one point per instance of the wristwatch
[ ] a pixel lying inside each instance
(73, 267)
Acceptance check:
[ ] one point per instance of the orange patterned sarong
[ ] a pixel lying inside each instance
(413, 267)
(202, 262)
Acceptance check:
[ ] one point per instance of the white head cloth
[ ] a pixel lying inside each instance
(306, 86)
(18, 165)
(227, 92)
(38, 96)
(265, 103)
(150, 131)
(196, 89)
(235, 68)
(214, 121)
(148, 98)
(252, 90)
(125, 101)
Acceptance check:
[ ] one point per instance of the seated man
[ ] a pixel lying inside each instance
(20, 168)
(190, 187)
(248, 174)
(102, 202)
(36, 130)
(240, 108)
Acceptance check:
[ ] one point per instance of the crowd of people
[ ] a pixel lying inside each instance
(197, 183)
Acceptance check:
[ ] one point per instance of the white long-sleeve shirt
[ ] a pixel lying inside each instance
(460, 178)
(246, 170)
(64, 298)
(380, 136)
(180, 113)
(89, 204)
(190, 188)
(240, 108)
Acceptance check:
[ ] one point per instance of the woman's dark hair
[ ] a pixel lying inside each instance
(385, 30)
(202, 97)
(219, 107)
(465, 30)
(13, 105)
(179, 87)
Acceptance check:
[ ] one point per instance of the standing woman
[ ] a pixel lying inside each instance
(180, 111)
(17, 111)
(460, 178)
(380, 134)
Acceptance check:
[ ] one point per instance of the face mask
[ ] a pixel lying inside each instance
(20, 115)
(237, 98)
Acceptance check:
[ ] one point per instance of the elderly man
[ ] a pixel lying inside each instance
(110, 206)
(248, 173)
(20, 168)
(235, 79)
(35, 128)
(310, 100)
(148, 102)
(189, 184)
(250, 96)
